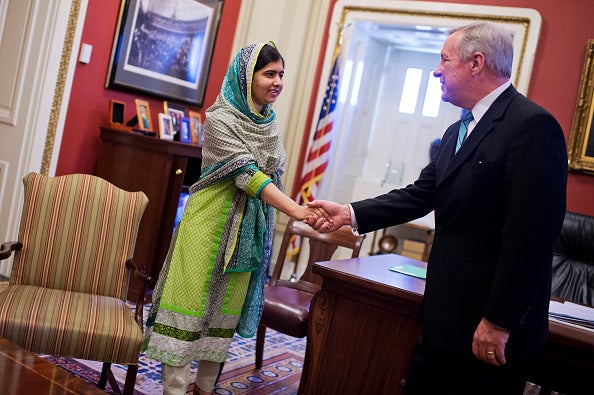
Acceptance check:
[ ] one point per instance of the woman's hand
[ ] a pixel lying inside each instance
(305, 212)
(335, 216)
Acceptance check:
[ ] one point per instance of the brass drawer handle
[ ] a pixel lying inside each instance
(178, 172)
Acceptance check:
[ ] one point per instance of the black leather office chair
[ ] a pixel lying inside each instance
(573, 260)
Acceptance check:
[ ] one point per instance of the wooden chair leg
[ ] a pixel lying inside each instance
(260, 338)
(130, 379)
(103, 378)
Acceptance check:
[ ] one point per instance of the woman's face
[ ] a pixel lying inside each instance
(267, 84)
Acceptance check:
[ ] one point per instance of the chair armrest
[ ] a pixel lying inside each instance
(8, 247)
(139, 309)
(138, 274)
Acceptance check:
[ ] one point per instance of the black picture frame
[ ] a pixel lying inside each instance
(116, 111)
(164, 48)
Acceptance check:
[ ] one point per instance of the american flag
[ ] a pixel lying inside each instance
(318, 157)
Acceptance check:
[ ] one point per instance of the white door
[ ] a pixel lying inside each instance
(404, 125)
(35, 80)
(382, 136)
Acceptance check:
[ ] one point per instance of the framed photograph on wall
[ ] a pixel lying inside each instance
(143, 112)
(165, 127)
(581, 140)
(164, 47)
(185, 132)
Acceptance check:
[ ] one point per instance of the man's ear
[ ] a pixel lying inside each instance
(478, 62)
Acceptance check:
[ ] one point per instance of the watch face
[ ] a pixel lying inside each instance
(387, 244)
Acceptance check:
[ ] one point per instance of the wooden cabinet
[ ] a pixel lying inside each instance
(160, 169)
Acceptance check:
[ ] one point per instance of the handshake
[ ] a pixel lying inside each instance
(326, 216)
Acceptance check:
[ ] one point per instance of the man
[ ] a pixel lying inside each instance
(499, 204)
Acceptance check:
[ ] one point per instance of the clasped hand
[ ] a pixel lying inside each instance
(326, 216)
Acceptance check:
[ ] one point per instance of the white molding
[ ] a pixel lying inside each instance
(45, 79)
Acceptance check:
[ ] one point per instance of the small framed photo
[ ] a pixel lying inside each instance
(144, 115)
(197, 128)
(185, 131)
(165, 127)
(116, 112)
(176, 112)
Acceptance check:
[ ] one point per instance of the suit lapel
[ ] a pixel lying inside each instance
(485, 126)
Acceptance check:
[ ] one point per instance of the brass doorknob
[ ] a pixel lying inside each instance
(178, 172)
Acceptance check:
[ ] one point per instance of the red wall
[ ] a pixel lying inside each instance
(566, 27)
(89, 100)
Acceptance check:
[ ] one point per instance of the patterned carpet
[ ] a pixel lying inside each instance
(283, 362)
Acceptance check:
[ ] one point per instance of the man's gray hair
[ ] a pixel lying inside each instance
(494, 42)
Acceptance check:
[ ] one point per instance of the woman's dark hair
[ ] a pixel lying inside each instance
(267, 54)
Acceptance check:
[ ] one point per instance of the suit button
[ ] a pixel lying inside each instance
(438, 229)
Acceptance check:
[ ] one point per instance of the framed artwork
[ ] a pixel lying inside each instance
(144, 115)
(164, 47)
(165, 127)
(581, 140)
(196, 128)
(185, 131)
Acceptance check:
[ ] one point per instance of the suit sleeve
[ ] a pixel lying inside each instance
(399, 205)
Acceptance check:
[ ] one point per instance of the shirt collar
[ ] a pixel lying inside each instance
(483, 105)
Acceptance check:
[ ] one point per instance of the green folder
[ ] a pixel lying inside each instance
(411, 270)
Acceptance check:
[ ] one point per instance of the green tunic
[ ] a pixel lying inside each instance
(212, 280)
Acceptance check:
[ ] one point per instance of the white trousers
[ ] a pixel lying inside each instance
(175, 378)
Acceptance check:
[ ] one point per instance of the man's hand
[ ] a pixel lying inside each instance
(336, 216)
(488, 343)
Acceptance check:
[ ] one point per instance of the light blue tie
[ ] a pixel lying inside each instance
(463, 131)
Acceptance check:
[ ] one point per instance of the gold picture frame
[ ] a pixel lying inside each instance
(581, 140)
(143, 111)
(197, 128)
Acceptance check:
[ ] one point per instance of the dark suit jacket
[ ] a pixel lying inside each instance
(499, 205)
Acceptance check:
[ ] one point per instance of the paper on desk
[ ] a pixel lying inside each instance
(572, 313)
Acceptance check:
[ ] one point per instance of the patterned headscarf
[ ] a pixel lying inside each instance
(237, 85)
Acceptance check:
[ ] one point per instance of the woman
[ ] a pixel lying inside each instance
(211, 284)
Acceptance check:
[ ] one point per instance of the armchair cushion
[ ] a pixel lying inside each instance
(72, 324)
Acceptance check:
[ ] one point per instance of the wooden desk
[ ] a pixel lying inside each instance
(22, 372)
(363, 330)
(567, 362)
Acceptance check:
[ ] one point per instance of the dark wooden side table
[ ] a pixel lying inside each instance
(22, 372)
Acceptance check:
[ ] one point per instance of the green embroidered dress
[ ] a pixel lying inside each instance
(212, 280)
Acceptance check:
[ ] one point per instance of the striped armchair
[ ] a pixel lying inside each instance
(67, 289)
